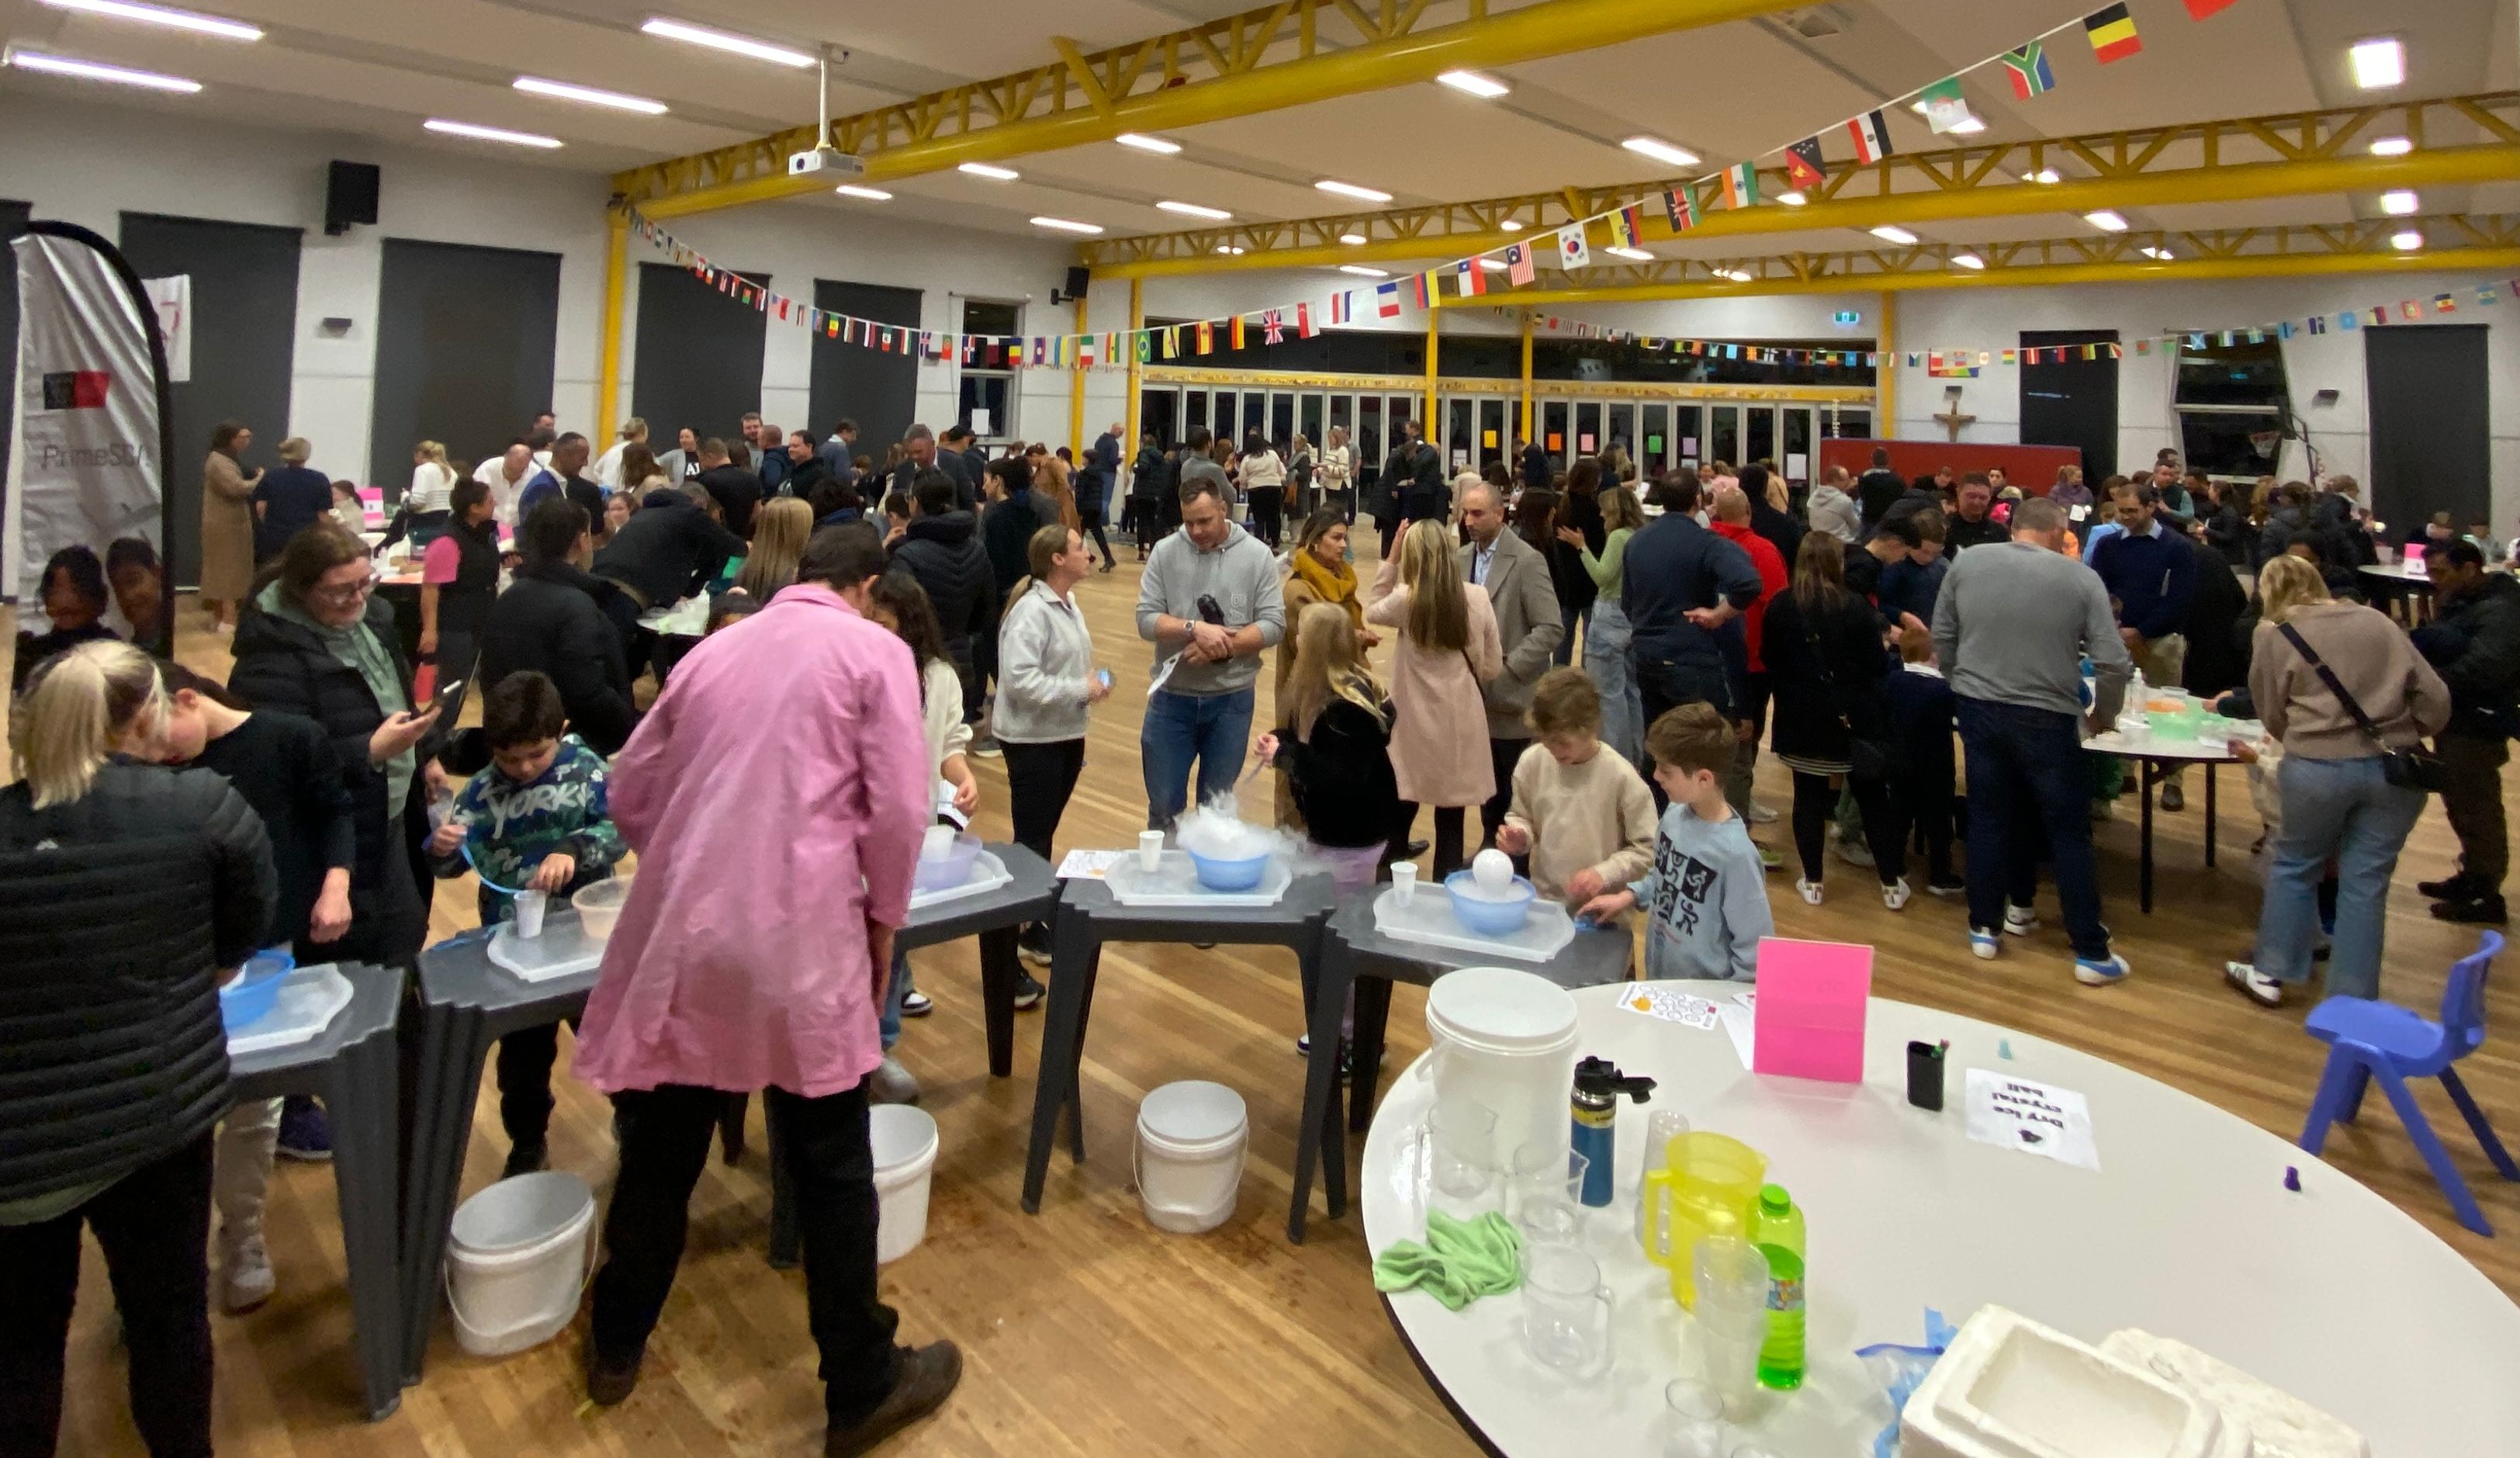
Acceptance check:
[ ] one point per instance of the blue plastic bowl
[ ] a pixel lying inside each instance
(948, 871)
(249, 998)
(1240, 875)
(1483, 916)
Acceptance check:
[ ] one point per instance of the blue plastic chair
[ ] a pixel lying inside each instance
(2368, 1038)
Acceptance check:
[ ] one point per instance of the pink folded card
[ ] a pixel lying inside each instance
(1811, 1009)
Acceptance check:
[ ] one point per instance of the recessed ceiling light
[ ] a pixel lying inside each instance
(992, 173)
(1892, 233)
(1794, 199)
(1969, 261)
(1492, 265)
(489, 133)
(1351, 190)
(564, 91)
(1968, 126)
(2107, 220)
(1362, 272)
(154, 15)
(1661, 150)
(2378, 62)
(1230, 249)
(1486, 88)
(2158, 255)
(870, 194)
(1511, 225)
(2407, 242)
(2392, 146)
(62, 66)
(1636, 255)
(1353, 240)
(2400, 204)
(1067, 226)
(722, 40)
(1195, 210)
(2045, 177)
(1737, 275)
(1156, 145)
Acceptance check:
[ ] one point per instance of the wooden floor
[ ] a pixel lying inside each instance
(1086, 1333)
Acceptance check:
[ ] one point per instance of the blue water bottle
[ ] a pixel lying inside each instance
(1599, 1084)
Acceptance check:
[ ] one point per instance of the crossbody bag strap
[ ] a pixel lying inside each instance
(1829, 680)
(2327, 676)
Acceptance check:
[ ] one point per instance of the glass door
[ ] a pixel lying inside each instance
(1553, 416)
(1159, 416)
(1460, 435)
(1308, 420)
(1256, 417)
(1281, 421)
(1723, 434)
(1194, 411)
(1687, 434)
(1654, 451)
(1760, 442)
(1798, 458)
(1588, 428)
(1493, 441)
(1369, 450)
(1623, 433)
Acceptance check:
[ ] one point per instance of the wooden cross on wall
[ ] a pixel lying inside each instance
(1952, 418)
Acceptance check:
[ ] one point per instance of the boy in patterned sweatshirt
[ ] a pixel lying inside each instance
(535, 820)
(1706, 896)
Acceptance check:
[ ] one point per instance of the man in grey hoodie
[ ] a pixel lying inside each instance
(1211, 603)
(1833, 511)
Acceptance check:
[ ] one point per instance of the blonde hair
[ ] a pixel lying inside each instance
(434, 451)
(780, 530)
(1439, 611)
(294, 450)
(74, 711)
(2286, 586)
(1330, 663)
(1040, 549)
(1619, 509)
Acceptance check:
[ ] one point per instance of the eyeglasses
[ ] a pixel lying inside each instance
(342, 597)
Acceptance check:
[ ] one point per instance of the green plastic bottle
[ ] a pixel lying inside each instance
(1776, 1229)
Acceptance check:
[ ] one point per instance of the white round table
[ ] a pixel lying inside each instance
(2151, 752)
(2186, 1231)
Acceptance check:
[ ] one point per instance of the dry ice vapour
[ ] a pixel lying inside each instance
(1217, 831)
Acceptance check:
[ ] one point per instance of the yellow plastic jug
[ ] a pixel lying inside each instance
(1707, 1186)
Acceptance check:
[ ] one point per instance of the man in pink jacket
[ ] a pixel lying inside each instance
(772, 872)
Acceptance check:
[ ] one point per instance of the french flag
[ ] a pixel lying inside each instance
(1340, 311)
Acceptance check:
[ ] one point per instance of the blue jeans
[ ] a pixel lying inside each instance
(2027, 774)
(2347, 809)
(897, 987)
(1214, 729)
(1606, 661)
(1574, 620)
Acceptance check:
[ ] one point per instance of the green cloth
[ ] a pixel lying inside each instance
(1460, 1261)
(1611, 565)
(359, 647)
(35, 1210)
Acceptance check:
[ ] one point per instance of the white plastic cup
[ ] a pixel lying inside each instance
(530, 906)
(1151, 850)
(1404, 881)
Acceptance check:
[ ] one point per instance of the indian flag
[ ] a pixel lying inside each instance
(1742, 185)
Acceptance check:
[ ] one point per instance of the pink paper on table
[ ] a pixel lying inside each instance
(1811, 1009)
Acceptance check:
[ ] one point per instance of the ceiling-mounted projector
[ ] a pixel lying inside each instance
(830, 160)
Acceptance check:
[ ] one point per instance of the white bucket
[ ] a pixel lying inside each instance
(517, 1261)
(1190, 1138)
(1505, 1040)
(904, 1140)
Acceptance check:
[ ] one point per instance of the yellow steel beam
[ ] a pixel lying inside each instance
(1434, 331)
(2206, 161)
(616, 278)
(1076, 384)
(1885, 424)
(1137, 377)
(1526, 380)
(1279, 54)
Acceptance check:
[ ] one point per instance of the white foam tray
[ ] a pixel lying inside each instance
(309, 1000)
(988, 872)
(1428, 919)
(562, 950)
(1175, 883)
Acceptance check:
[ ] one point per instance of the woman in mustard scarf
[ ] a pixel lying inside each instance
(1317, 571)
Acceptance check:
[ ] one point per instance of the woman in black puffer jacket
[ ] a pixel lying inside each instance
(126, 890)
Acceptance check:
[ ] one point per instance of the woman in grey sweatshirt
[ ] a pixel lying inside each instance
(1047, 688)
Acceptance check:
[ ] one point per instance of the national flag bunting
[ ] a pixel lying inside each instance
(1386, 300)
(2349, 320)
(1803, 164)
(1471, 278)
(1680, 202)
(1622, 227)
(1519, 267)
(1872, 137)
(1236, 332)
(2443, 303)
(1304, 321)
(1172, 342)
(1206, 337)
(1339, 307)
(1423, 289)
(1742, 185)
(1945, 104)
(2198, 10)
(2111, 31)
(1146, 346)
(2319, 324)
(2410, 309)
(1573, 252)
(1272, 327)
(2031, 74)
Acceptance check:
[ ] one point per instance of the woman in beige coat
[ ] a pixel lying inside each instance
(1448, 646)
(227, 525)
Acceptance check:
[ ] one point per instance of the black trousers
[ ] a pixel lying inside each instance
(1663, 685)
(1449, 821)
(1039, 780)
(1268, 513)
(1502, 756)
(1915, 808)
(1091, 527)
(526, 1058)
(154, 1227)
(1816, 800)
(665, 1135)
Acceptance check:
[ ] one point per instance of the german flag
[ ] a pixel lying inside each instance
(2112, 34)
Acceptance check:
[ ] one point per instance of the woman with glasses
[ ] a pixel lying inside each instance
(316, 643)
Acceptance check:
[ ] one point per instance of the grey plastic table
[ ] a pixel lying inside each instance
(355, 1066)
(2153, 753)
(466, 1004)
(1089, 916)
(1353, 955)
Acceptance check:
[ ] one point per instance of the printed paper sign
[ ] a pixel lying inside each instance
(2035, 1119)
(1670, 1006)
(1091, 865)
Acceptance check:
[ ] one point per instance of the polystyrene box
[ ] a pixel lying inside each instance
(2009, 1387)
(2282, 1424)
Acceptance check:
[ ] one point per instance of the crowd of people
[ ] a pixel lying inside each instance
(1589, 656)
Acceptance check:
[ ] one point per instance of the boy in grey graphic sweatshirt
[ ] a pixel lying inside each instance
(1706, 896)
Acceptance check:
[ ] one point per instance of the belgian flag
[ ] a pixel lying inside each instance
(2112, 34)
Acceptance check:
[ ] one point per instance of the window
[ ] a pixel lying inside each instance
(2232, 402)
(988, 402)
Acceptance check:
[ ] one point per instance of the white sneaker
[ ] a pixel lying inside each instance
(1895, 895)
(2019, 921)
(2254, 985)
(1810, 890)
(2101, 974)
(244, 1275)
(1984, 943)
(892, 1083)
(1855, 853)
(1761, 816)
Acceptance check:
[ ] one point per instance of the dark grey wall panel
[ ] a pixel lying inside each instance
(2431, 425)
(465, 340)
(877, 389)
(700, 355)
(13, 219)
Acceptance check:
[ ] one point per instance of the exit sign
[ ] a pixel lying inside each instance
(1846, 318)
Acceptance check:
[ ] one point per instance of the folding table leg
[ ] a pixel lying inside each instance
(1317, 1132)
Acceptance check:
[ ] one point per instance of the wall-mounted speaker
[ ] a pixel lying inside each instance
(349, 196)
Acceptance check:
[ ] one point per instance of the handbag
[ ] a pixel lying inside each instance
(2411, 768)
(1865, 759)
